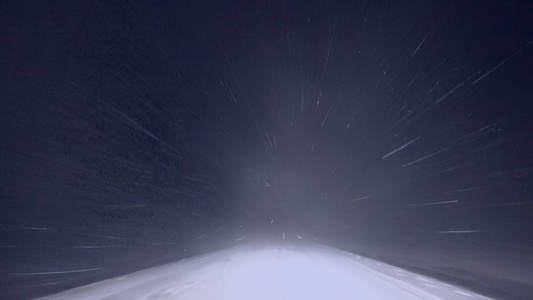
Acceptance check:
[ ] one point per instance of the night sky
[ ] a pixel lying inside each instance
(134, 134)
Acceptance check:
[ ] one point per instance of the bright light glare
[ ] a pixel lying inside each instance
(272, 272)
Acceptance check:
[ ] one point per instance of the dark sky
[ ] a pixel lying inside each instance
(138, 133)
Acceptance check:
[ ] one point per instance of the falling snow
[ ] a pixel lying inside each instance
(134, 135)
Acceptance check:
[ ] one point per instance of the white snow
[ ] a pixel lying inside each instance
(271, 272)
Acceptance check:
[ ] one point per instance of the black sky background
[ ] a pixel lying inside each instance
(135, 134)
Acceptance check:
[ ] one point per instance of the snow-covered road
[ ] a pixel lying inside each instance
(272, 272)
